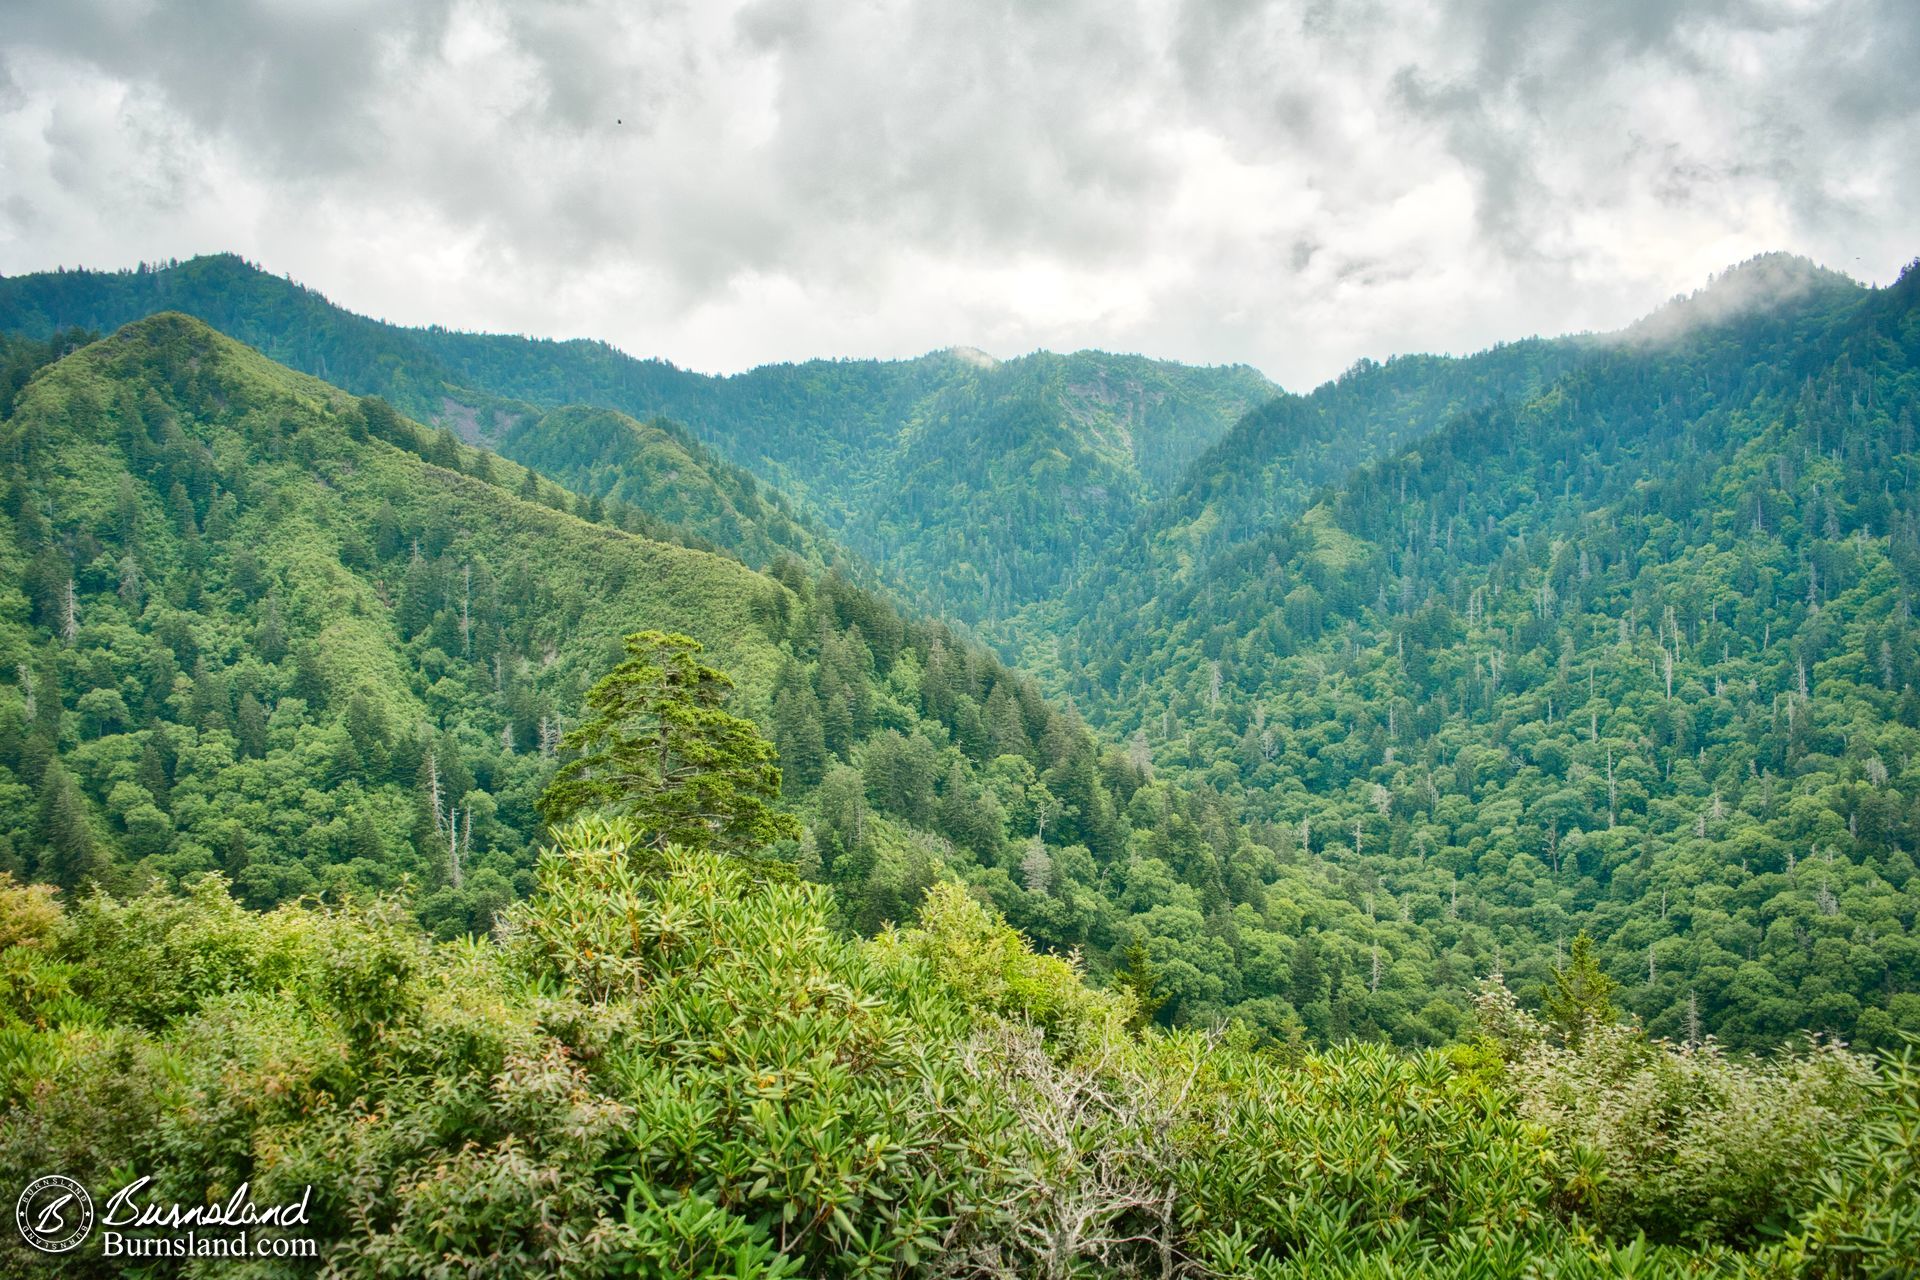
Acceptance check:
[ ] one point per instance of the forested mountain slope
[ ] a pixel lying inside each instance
(1262, 474)
(1262, 471)
(1619, 639)
(252, 624)
(978, 484)
(1635, 655)
(658, 469)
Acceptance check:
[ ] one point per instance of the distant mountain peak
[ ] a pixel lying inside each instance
(973, 356)
(1761, 283)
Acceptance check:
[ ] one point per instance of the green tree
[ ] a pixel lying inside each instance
(250, 722)
(70, 856)
(797, 729)
(658, 747)
(1581, 995)
(1139, 978)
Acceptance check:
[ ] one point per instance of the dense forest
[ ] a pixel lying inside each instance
(981, 483)
(655, 471)
(1634, 654)
(1457, 820)
(1403, 681)
(264, 628)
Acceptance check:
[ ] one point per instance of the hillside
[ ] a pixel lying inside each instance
(1597, 698)
(1355, 778)
(657, 469)
(1260, 475)
(976, 483)
(243, 618)
(255, 625)
(1632, 654)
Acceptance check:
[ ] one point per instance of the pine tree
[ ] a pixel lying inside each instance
(69, 854)
(1036, 868)
(250, 726)
(445, 450)
(1138, 977)
(1581, 995)
(657, 747)
(1307, 981)
(152, 771)
(800, 735)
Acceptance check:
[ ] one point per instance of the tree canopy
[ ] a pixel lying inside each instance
(657, 746)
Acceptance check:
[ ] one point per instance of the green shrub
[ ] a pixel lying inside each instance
(673, 1063)
(1680, 1142)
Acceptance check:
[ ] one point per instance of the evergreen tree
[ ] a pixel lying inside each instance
(1581, 996)
(799, 735)
(250, 726)
(657, 747)
(445, 450)
(1138, 977)
(69, 856)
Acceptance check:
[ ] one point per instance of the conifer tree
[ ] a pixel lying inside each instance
(797, 729)
(658, 748)
(1581, 995)
(69, 856)
(1138, 977)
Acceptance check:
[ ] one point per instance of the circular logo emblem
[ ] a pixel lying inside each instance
(54, 1213)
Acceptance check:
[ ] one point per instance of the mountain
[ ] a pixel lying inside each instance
(1630, 652)
(1577, 675)
(1260, 475)
(255, 625)
(977, 483)
(1343, 646)
(1623, 645)
(1396, 723)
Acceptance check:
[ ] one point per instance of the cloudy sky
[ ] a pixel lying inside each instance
(1292, 185)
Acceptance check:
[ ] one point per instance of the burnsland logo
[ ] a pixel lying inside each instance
(54, 1213)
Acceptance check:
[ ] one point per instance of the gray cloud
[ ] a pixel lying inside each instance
(1289, 184)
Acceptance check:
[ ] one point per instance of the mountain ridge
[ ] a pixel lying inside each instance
(1331, 712)
(863, 444)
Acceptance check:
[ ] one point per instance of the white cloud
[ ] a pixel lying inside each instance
(1290, 185)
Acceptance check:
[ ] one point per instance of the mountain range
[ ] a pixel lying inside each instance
(1334, 703)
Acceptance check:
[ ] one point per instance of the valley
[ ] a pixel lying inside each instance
(1452, 721)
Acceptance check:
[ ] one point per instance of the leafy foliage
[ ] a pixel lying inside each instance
(672, 1063)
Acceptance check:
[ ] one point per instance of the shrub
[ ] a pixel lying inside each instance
(1682, 1143)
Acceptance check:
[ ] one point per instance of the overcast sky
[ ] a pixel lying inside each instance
(1290, 185)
